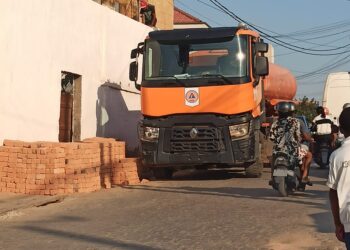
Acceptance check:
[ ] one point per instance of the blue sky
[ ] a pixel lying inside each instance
(286, 17)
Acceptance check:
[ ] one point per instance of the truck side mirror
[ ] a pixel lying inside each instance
(262, 66)
(133, 70)
(134, 53)
(261, 47)
(133, 73)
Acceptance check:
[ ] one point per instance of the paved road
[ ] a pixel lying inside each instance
(196, 210)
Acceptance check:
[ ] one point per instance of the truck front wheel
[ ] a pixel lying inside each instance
(254, 170)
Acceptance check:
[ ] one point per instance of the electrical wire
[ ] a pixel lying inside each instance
(333, 26)
(336, 62)
(326, 68)
(278, 41)
(200, 14)
(336, 40)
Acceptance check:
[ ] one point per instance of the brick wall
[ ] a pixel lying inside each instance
(46, 168)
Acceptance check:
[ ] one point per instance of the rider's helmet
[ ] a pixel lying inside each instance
(285, 107)
(346, 105)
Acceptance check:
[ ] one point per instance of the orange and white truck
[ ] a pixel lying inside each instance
(202, 98)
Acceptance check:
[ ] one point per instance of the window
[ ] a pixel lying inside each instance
(195, 60)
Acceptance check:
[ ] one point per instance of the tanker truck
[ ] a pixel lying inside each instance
(202, 98)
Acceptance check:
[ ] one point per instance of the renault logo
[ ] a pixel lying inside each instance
(193, 133)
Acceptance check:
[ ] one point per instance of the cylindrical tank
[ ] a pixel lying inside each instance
(280, 83)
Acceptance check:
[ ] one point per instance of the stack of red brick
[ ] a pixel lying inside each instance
(111, 152)
(125, 172)
(64, 168)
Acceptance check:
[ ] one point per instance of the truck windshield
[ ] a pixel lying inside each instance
(218, 59)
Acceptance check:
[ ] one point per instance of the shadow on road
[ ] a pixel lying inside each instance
(212, 174)
(60, 219)
(87, 238)
(309, 198)
(323, 221)
(315, 199)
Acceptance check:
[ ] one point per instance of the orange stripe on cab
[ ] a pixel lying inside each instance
(223, 99)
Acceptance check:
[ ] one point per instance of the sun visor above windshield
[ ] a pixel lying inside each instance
(193, 35)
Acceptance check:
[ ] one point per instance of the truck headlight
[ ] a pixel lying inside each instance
(148, 133)
(239, 130)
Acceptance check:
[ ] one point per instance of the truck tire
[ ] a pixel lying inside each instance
(162, 173)
(144, 172)
(254, 170)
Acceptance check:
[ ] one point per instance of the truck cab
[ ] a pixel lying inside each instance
(201, 98)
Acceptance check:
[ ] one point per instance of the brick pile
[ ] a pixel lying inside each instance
(46, 168)
(111, 151)
(125, 172)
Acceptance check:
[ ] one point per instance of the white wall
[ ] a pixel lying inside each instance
(38, 40)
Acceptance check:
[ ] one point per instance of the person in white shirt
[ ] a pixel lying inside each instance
(339, 182)
(322, 123)
(324, 131)
(340, 136)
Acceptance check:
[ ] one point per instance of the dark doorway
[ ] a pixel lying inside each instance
(70, 108)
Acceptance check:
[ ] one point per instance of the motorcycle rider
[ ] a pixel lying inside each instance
(324, 129)
(286, 133)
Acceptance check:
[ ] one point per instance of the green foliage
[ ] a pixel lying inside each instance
(307, 107)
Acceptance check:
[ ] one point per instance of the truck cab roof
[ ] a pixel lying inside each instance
(193, 34)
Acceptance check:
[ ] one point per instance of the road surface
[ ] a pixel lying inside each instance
(196, 210)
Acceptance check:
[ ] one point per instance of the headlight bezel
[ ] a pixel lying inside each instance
(147, 133)
(239, 130)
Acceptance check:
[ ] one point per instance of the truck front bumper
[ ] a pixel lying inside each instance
(191, 152)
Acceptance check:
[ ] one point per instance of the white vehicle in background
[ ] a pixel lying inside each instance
(336, 93)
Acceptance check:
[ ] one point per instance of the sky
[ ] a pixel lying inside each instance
(325, 25)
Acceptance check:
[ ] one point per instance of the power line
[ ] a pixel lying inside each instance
(333, 26)
(338, 39)
(278, 41)
(326, 68)
(200, 14)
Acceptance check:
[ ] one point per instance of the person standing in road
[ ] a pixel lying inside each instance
(339, 182)
(340, 136)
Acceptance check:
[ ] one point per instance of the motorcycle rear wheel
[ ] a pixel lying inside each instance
(282, 187)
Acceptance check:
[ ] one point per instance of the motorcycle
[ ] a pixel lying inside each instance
(323, 152)
(286, 176)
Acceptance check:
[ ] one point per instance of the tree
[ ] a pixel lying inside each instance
(307, 107)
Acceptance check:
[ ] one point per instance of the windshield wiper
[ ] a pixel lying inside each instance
(217, 75)
(177, 79)
(182, 76)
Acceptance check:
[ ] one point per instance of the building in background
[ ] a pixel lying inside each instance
(64, 70)
(164, 10)
(183, 20)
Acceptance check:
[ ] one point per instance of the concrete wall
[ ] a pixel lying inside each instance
(38, 40)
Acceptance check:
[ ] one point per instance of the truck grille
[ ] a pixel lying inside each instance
(206, 139)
